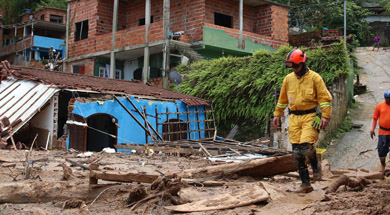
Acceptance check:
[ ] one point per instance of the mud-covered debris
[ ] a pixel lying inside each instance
(72, 203)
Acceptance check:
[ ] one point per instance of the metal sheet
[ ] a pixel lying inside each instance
(22, 99)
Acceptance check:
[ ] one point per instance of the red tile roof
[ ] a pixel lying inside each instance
(74, 81)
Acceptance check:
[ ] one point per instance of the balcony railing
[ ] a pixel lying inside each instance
(124, 38)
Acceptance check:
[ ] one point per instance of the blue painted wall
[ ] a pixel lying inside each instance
(47, 42)
(129, 130)
(44, 44)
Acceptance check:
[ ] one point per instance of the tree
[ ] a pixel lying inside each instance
(14, 8)
(61, 4)
(378, 3)
(316, 14)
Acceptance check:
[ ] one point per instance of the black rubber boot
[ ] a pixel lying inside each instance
(383, 163)
(317, 173)
(304, 175)
(305, 186)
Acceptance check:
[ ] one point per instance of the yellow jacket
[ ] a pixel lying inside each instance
(304, 93)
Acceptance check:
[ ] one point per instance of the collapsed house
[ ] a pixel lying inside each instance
(92, 113)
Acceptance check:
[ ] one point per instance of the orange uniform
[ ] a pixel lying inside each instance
(382, 112)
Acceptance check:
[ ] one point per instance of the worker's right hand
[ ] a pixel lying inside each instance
(372, 134)
(276, 122)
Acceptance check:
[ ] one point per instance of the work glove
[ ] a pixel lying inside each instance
(372, 134)
(317, 121)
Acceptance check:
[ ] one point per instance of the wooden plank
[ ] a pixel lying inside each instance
(235, 151)
(188, 123)
(206, 111)
(131, 114)
(156, 109)
(197, 120)
(179, 122)
(168, 129)
(207, 123)
(236, 198)
(144, 117)
(168, 123)
(205, 150)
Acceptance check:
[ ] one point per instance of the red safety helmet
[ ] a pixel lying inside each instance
(295, 57)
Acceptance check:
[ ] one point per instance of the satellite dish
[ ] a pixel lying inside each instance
(175, 77)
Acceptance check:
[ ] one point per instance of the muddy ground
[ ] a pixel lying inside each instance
(352, 150)
(371, 200)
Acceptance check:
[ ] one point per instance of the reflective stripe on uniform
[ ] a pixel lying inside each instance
(325, 104)
(282, 105)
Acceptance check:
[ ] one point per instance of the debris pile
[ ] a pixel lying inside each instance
(139, 183)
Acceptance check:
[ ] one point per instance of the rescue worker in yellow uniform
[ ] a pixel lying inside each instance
(303, 90)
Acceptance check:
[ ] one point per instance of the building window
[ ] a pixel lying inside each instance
(81, 31)
(118, 74)
(103, 72)
(27, 31)
(6, 32)
(142, 21)
(223, 20)
(78, 69)
(387, 24)
(43, 17)
(56, 18)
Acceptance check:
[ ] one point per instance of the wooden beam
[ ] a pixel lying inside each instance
(256, 168)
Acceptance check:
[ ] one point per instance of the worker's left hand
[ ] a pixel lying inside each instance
(372, 134)
(324, 122)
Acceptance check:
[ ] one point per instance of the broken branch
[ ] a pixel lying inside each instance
(345, 180)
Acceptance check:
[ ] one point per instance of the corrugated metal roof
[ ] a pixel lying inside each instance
(20, 100)
(24, 91)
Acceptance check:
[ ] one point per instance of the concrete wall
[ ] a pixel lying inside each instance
(43, 124)
(339, 111)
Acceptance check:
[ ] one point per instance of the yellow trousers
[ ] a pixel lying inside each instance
(300, 129)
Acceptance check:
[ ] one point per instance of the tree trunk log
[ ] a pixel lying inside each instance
(258, 168)
(37, 192)
(122, 176)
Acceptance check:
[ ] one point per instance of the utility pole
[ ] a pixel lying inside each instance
(345, 22)
(241, 8)
(114, 24)
(146, 49)
(166, 46)
(66, 36)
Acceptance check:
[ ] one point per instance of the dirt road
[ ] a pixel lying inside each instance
(355, 149)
